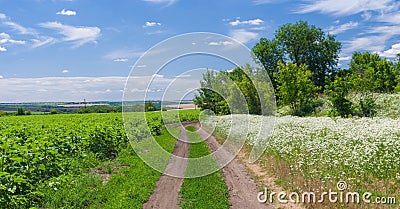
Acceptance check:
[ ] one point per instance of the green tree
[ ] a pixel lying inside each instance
(150, 106)
(338, 92)
(295, 88)
(2, 113)
(300, 43)
(20, 111)
(242, 90)
(372, 73)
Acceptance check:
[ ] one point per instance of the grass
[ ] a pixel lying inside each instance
(130, 184)
(202, 192)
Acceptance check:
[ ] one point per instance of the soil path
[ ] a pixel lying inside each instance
(166, 193)
(242, 188)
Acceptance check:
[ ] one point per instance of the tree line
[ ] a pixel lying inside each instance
(302, 64)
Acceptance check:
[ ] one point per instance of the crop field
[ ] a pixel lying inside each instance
(316, 152)
(58, 161)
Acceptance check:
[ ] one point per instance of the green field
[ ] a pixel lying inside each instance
(58, 161)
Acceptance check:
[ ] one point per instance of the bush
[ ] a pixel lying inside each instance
(367, 106)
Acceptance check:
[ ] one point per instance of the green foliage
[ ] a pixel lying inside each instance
(20, 111)
(372, 73)
(2, 113)
(295, 88)
(300, 43)
(367, 106)
(53, 111)
(149, 107)
(130, 185)
(242, 90)
(202, 192)
(50, 152)
(338, 91)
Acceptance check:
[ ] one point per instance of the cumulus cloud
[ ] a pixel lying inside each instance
(3, 49)
(151, 24)
(5, 38)
(342, 28)
(77, 35)
(65, 71)
(345, 58)
(392, 52)
(243, 36)
(63, 89)
(1, 76)
(2, 16)
(67, 12)
(246, 22)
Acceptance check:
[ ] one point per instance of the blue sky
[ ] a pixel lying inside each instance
(66, 50)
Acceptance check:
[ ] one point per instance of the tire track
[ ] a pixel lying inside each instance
(166, 192)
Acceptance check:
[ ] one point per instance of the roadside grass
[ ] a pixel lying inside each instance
(125, 182)
(202, 192)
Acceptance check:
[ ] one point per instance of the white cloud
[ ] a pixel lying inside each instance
(246, 22)
(43, 40)
(65, 71)
(2, 16)
(121, 60)
(243, 36)
(141, 66)
(21, 29)
(77, 35)
(342, 28)
(5, 38)
(3, 49)
(123, 54)
(1, 76)
(151, 24)
(168, 2)
(67, 12)
(61, 89)
(346, 58)
(220, 43)
(346, 7)
(370, 43)
(392, 52)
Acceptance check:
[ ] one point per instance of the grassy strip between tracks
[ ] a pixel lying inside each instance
(202, 192)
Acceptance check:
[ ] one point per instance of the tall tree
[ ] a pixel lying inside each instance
(300, 43)
(373, 73)
(295, 88)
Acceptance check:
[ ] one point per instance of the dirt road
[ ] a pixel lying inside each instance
(242, 188)
(166, 193)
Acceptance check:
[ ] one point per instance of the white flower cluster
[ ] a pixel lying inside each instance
(324, 147)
